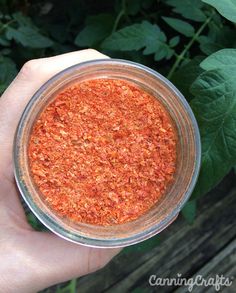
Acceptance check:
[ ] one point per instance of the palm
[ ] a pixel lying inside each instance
(47, 259)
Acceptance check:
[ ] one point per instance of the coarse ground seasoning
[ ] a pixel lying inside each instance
(102, 152)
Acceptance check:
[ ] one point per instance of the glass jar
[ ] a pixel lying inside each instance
(176, 195)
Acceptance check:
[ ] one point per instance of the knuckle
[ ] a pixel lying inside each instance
(91, 51)
(91, 54)
(30, 69)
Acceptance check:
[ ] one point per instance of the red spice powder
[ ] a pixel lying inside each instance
(103, 152)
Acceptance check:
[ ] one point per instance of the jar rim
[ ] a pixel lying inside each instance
(89, 241)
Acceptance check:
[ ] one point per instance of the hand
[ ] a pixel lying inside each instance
(30, 260)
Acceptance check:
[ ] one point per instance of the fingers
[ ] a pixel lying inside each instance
(33, 75)
(51, 260)
(48, 258)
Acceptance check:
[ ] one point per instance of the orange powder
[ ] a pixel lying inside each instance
(103, 152)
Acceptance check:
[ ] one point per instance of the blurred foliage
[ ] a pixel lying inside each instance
(141, 31)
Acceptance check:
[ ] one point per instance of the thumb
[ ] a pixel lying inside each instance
(52, 260)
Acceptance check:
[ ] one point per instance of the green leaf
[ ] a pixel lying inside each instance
(208, 46)
(139, 36)
(227, 8)
(28, 37)
(22, 20)
(163, 52)
(219, 37)
(215, 110)
(7, 72)
(180, 26)
(174, 41)
(190, 9)
(186, 75)
(35, 223)
(189, 211)
(224, 59)
(69, 288)
(97, 28)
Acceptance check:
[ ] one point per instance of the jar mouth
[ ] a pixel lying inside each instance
(155, 220)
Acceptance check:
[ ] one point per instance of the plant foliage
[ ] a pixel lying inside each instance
(215, 109)
(226, 7)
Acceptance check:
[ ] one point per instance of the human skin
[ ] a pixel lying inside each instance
(29, 260)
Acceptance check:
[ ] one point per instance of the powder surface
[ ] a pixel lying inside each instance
(102, 152)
